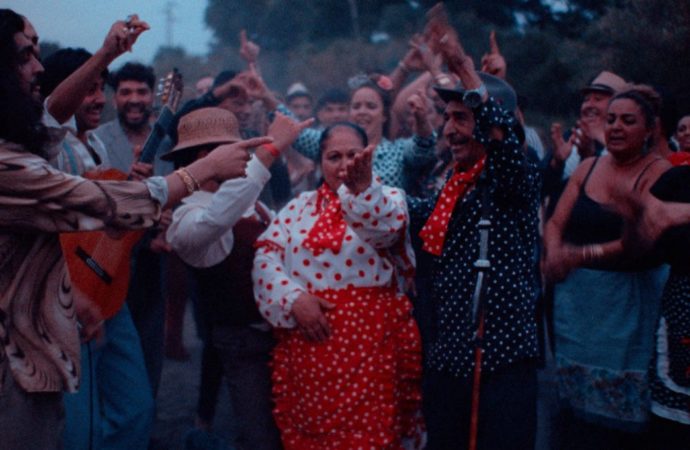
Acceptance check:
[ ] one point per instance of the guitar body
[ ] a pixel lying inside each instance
(98, 262)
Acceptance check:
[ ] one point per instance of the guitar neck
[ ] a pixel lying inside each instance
(159, 130)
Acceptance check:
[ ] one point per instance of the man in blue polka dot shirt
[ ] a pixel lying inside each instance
(490, 167)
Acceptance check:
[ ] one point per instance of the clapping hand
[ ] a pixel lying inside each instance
(420, 57)
(561, 147)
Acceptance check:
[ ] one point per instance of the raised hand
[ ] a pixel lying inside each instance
(358, 172)
(418, 105)
(123, 35)
(561, 147)
(493, 62)
(253, 84)
(284, 130)
(436, 26)
(308, 312)
(249, 50)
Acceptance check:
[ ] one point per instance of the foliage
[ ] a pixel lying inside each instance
(647, 41)
(552, 51)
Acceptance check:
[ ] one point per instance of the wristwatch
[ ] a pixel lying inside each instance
(473, 97)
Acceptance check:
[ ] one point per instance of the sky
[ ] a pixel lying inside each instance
(84, 23)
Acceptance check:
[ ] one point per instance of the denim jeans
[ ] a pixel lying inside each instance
(114, 407)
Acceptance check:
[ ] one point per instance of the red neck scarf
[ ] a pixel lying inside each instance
(680, 158)
(329, 229)
(434, 231)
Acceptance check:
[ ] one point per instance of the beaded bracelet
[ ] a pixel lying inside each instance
(190, 183)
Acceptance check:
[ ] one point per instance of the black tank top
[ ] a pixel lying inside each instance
(591, 222)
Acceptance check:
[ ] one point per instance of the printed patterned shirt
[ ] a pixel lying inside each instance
(37, 202)
(376, 220)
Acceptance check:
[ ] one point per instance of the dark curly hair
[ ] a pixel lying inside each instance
(20, 113)
(60, 65)
(133, 71)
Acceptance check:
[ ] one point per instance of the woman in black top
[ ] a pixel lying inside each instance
(605, 311)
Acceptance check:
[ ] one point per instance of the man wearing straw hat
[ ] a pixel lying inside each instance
(213, 231)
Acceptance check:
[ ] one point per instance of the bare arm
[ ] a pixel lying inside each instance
(69, 94)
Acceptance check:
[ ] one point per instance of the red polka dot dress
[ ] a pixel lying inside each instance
(361, 387)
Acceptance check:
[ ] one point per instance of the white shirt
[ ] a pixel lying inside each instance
(201, 228)
(376, 220)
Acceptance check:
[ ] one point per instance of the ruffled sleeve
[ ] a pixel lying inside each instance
(378, 215)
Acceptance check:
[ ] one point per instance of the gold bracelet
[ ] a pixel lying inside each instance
(189, 182)
(597, 252)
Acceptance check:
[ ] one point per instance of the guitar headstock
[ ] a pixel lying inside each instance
(169, 91)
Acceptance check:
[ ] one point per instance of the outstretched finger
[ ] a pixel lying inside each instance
(254, 142)
(243, 37)
(493, 44)
(305, 123)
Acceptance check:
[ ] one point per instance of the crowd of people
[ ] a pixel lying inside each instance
(385, 268)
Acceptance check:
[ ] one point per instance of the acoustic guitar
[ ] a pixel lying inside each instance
(98, 262)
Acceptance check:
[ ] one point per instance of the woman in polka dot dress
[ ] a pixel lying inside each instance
(346, 370)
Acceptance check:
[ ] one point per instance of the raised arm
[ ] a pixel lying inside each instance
(377, 213)
(202, 233)
(68, 95)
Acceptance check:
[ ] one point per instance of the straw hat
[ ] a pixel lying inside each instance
(202, 127)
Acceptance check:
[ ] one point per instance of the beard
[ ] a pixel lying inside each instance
(137, 123)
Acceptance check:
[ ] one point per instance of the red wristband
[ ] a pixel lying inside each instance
(272, 149)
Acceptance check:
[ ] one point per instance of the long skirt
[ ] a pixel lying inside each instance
(358, 389)
(604, 323)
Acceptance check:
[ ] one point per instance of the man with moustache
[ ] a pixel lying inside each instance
(584, 140)
(483, 222)
(114, 405)
(124, 138)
